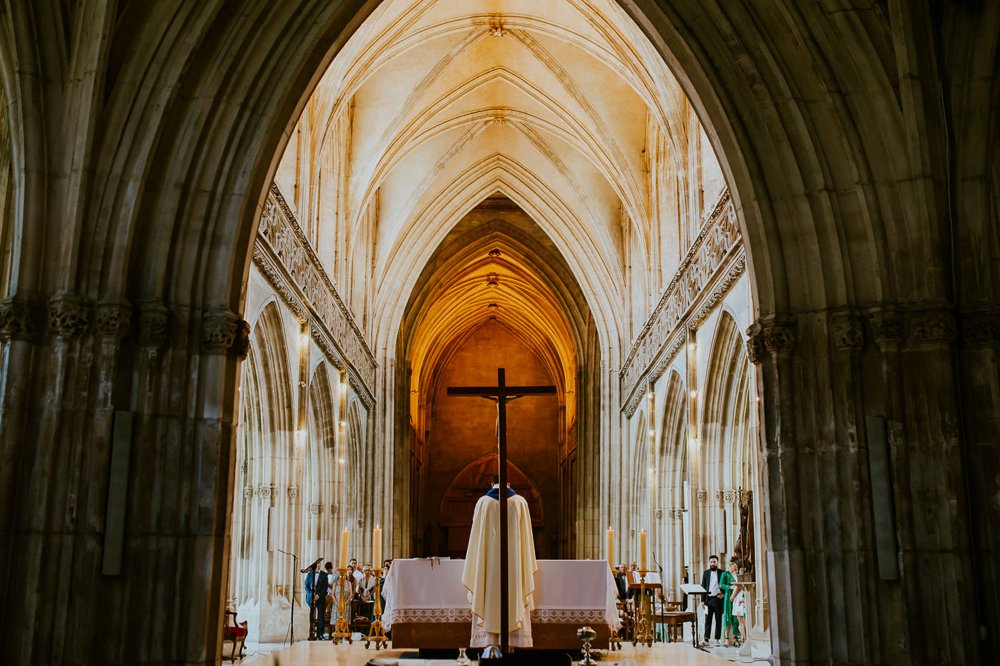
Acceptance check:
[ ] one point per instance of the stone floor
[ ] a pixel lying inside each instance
(306, 653)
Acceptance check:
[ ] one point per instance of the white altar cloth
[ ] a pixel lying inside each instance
(566, 591)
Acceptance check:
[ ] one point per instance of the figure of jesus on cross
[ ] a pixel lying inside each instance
(501, 393)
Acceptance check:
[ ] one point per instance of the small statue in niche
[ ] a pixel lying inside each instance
(743, 552)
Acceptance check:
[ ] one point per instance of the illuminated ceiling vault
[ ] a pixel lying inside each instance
(548, 104)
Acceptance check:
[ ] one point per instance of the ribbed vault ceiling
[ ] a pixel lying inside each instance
(496, 265)
(547, 103)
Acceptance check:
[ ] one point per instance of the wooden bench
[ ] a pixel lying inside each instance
(233, 632)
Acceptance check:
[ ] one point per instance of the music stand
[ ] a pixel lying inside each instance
(689, 589)
(291, 597)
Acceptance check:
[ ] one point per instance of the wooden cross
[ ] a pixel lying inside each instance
(502, 393)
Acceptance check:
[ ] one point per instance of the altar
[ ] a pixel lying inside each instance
(426, 605)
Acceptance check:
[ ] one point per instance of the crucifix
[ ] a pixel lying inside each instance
(502, 393)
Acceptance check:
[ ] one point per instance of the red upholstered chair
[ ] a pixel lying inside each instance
(234, 632)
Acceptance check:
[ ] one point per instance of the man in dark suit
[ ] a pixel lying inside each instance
(621, 580)
(321, 585)
(713, 599)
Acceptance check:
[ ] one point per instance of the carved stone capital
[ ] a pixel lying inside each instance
(779, 334)
(981, 328)
(112, 320)
(848, 330)
(702, 496)
(887, 327)
(219, 329)
(241, 345)
(293, 492)
(69, 316)
(154, 324)
(932, 325)
(315, 509)
(755, 343)
(19, 319)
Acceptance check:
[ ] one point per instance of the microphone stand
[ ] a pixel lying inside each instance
(291, 596)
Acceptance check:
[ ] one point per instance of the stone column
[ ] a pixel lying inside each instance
(866, 560)
(174, 379)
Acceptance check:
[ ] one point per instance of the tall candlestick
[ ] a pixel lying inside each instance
(343, 548)
(611, 547)
(377, 540)
(642, 550)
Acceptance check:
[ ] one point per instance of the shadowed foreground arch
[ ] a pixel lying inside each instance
(143, 138)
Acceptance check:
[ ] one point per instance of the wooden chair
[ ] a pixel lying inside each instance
(234, 632)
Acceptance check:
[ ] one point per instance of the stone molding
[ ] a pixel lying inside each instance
(755, 343)
(241, 342)
(899, 327)
(19, 319)
(713, 263)
(778, 333)
(154, 324)
(219, 331)
(981, 328)
(69, 316)
(887, 327)
(847, 329)
(718, 241)
(934, 325)
(112, 320)
(287, 261)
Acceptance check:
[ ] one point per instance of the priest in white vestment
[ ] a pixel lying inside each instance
(481, 575)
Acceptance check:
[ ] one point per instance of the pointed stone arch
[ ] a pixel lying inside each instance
(323, 473)
(728, 456)
(672, 502)
(265, 473)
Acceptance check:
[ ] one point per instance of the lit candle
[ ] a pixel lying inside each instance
(377, 540)
(611, 547)
(642, 550)
(343, 548)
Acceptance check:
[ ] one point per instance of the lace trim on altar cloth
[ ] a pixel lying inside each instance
(432, 615)
(541, 616)
(560, 615)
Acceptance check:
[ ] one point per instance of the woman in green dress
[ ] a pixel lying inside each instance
(731, 624)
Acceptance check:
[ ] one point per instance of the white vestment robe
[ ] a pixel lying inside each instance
(481, 575)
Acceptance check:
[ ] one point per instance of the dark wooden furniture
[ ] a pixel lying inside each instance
(234, 632)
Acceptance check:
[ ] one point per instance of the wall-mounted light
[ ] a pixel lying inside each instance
(691, 346)
(694, 394)
(343, 423)
(341, 461)
(652, 432)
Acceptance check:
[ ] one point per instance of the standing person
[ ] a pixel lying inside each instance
(739, 595)
(350, 588)
(621, 581)
(713, 602)
(727, 583)
(310, 585)
(331, 602)
(367, 591)
(320, 586)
